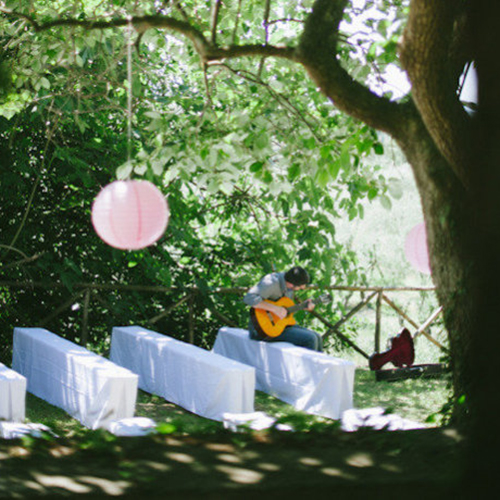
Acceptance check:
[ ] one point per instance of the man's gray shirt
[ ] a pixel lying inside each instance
(270, 287)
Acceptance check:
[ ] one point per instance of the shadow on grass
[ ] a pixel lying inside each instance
(266, 464)
(198, 458)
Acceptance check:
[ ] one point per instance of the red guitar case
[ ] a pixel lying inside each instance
(401, 353)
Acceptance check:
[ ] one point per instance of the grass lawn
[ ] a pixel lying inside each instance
(415, 399)
(193, 457)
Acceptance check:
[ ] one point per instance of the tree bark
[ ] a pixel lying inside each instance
(482, 470)
(448, 211)
(433, 62)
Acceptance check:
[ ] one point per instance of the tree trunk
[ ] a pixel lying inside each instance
(482, 453)
(448, 210)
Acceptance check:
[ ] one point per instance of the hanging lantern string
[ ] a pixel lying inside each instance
(129, 95)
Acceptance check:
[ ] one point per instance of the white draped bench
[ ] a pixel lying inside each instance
(196, 379)
(89, 387)
(311, 381)
(12, 395)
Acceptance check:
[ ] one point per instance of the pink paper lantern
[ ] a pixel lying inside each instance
(416, 249)
(130, 215)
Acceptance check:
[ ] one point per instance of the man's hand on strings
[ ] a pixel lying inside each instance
(310, 305)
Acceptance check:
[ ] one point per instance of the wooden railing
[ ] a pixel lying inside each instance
(379, 294)
(188, 296)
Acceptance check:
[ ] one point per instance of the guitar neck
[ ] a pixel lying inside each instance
(299, 307)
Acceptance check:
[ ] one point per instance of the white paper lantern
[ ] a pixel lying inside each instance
(130, 215)
(416, 249)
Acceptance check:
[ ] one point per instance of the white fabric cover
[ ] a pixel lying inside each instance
(89, 387)
(12, 395)
(377, 419)
(257, 421)
(136, 426)
(15, 430)
(198, 380)
(311, 381)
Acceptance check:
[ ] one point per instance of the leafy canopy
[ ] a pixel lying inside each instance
(257, 165)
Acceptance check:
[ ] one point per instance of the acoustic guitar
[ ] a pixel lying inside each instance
(268, 324)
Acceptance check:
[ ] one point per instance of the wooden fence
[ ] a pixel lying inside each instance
(90, 291)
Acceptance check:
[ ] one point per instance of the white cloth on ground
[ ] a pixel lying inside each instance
(257, 421)
(376, 418)
(136, 426)
(14, 430)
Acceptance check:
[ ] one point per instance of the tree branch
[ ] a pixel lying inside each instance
(215, 20)
(429, 55)
(267, 10)
(232, 52)
(206, 50)
(236, 22)
(140, 23)
(317, 52)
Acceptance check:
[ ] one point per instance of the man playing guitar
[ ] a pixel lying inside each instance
(262, 298)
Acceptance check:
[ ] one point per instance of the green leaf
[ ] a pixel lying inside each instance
(256, 166)
(140, 169)
(82, 124)
(323, 177)
(385, 201)
(325, 152)
(124, 171)
(372, 193)
(44, 82)
(334, 168)
(352, 212)
(310, 143)
(345, 160)
(293, 172)
(361, 211)
(262, 141)
(395, 188)
(267, 177)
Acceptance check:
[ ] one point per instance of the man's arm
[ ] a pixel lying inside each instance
(267, 287)
(279, 311)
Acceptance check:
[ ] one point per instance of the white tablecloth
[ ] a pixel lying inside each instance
(198, 380)
(89, 387)
(12, 395)
(310, 381)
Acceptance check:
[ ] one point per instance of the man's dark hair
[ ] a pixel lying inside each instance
(297, 276)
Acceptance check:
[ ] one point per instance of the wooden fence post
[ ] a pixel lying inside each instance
(168, 309)
(378, 317)
(60, 309)
(85, 321)
(191, 319)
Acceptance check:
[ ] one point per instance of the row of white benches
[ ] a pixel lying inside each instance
(97, 391)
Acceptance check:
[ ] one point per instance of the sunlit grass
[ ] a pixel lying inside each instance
(415, 399)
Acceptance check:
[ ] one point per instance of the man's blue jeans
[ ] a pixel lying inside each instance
(294, 334)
